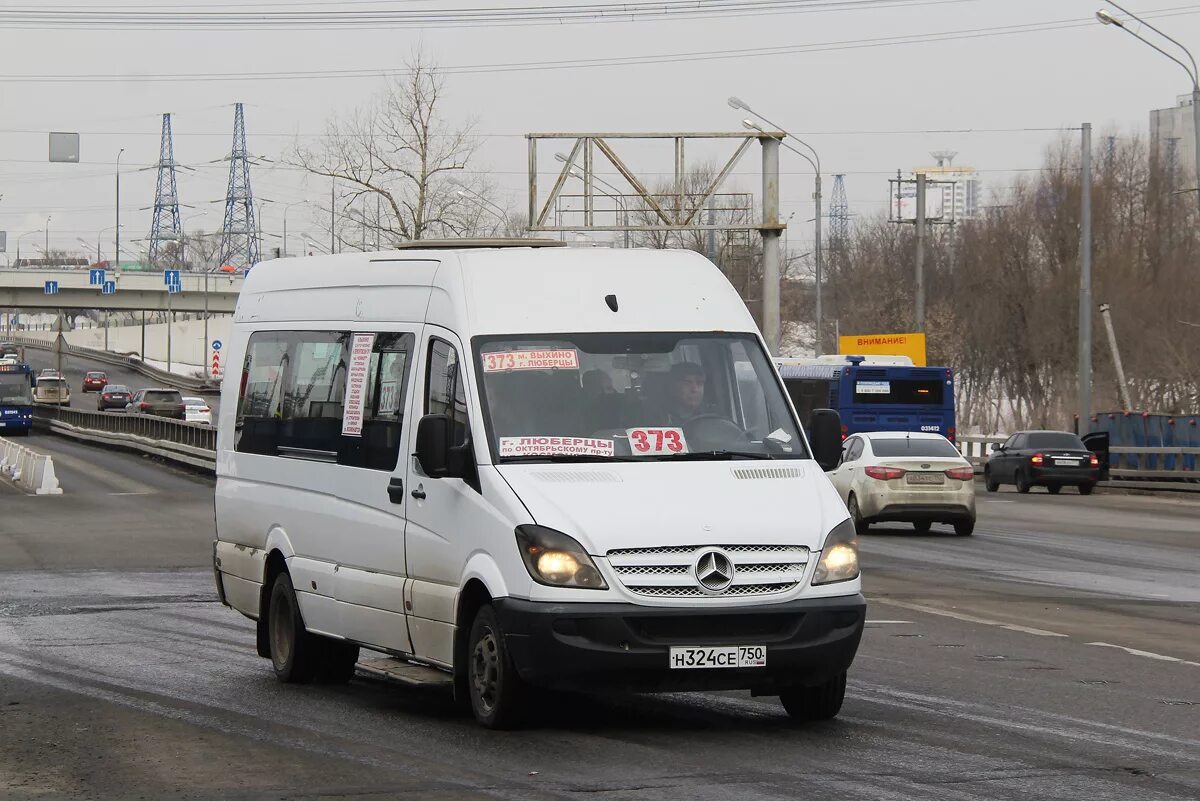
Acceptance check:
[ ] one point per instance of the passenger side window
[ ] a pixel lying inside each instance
(856, 451)
(315, 394)
(260, 404)
(383, 412)
(444, 392)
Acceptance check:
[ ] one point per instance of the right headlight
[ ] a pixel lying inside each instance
(557, 560)
(839, 556)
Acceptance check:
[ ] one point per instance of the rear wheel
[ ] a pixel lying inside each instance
(964, 528)
(822, 702)
(295, 654)
(861, 526)
(989, 483)
(1023, 485)
(1086, 489)
(1054, 489)
(497, 692)
(922, 526)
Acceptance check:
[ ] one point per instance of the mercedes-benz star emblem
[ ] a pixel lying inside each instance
(714, 571)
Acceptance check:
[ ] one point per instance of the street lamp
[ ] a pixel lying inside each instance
(495, 210)
(46, 250)
(816, 165)
(1192, 72)
(19, 238)
(285, 211)
(619, 197)
(100, 236)
(117, 208)
(183, 263)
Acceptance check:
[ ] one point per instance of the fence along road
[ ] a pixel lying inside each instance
(116, 652)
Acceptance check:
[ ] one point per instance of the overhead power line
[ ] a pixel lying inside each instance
(277, 16)
(608, 61)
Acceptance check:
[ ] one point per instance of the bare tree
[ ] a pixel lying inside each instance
(400, 166)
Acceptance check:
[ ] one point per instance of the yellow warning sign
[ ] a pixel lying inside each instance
(910, 345)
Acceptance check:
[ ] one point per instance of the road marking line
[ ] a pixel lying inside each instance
(887, 622)
(1147, 654)
(131, 493)
(969, 618)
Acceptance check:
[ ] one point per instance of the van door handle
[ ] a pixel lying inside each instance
(396, 490)
(419, 492)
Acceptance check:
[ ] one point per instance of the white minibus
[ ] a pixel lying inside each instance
(518, 466)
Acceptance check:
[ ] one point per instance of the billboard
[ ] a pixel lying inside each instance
(64, 147)
(910, 345)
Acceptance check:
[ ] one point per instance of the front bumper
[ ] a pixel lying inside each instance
(625, 647)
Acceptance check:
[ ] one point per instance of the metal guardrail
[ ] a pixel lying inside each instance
(145, 426)
(120, 360)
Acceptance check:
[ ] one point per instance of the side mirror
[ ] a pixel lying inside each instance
(433, 439)
(825, 436)
(997, 446)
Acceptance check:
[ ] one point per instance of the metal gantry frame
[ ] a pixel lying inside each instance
(684, 214)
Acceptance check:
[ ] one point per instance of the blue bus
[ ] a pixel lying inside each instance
(16, 399)
(873, 393)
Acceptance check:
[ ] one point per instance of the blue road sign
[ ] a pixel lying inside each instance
(96, 277)
(108, 288)
(51, 287)
(170, 277)
(174, 289)
(216, 345)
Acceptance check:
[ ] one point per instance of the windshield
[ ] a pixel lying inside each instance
(14, 390)
(1054, 439)
(917, 447)
(621, 396)
(52, 384)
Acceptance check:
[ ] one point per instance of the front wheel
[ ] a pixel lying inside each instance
(497, 692)
(1023, 485)
(989, 483)
(822, 702)
(861, 526)
(1086, 489)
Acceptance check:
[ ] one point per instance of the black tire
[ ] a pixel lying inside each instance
(861, 526)
(964, 528)
(338, 659)
(990, 484)
(1086, 489)
(1023, 485)
(1054, 489)
(295, 654)
(496, 691)
(822, 702)
(922, 526)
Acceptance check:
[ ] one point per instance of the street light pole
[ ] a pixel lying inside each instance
(117, 253)
(19, 238)
(819, 338)
(1193, 72)
(1085, 282)
(46, 250)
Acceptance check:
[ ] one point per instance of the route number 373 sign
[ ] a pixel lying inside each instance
(656, 441)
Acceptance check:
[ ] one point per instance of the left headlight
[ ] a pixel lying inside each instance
(839, 556)
(554, 559)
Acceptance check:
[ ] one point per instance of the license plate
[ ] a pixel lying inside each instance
(723, 656)
(1066, 463)
(926, 478)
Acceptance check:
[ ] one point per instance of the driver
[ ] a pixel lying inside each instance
(685, 392)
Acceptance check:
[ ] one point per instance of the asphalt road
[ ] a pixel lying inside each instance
(75, 366)
(1054, 655)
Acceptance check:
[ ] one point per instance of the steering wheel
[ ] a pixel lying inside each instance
(707, 432)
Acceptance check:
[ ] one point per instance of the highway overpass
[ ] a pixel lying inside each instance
(26, 289)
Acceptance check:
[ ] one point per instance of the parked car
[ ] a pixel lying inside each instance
(52, 389)
(158, 402)
(1050, 459)
(94, 381)
(920, 478)
(197, 410)
(113, 396)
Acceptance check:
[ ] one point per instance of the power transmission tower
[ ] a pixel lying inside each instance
(839, 215)
(165, 225)
(239, 234)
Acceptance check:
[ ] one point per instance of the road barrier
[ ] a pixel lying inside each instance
(124, 360)
(28, 468)
(1152, 475)
(192, 444)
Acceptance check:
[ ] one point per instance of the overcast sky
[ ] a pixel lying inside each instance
(843, 98)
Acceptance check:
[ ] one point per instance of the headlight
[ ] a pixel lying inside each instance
(555, 559)
(839, 557)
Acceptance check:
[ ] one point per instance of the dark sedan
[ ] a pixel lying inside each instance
(157, 402)
(113, 396)
(1050, 459)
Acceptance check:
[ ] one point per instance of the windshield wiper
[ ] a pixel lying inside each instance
(558, 458)
(697, 456)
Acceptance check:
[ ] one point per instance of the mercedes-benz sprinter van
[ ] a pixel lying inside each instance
(527, 465)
